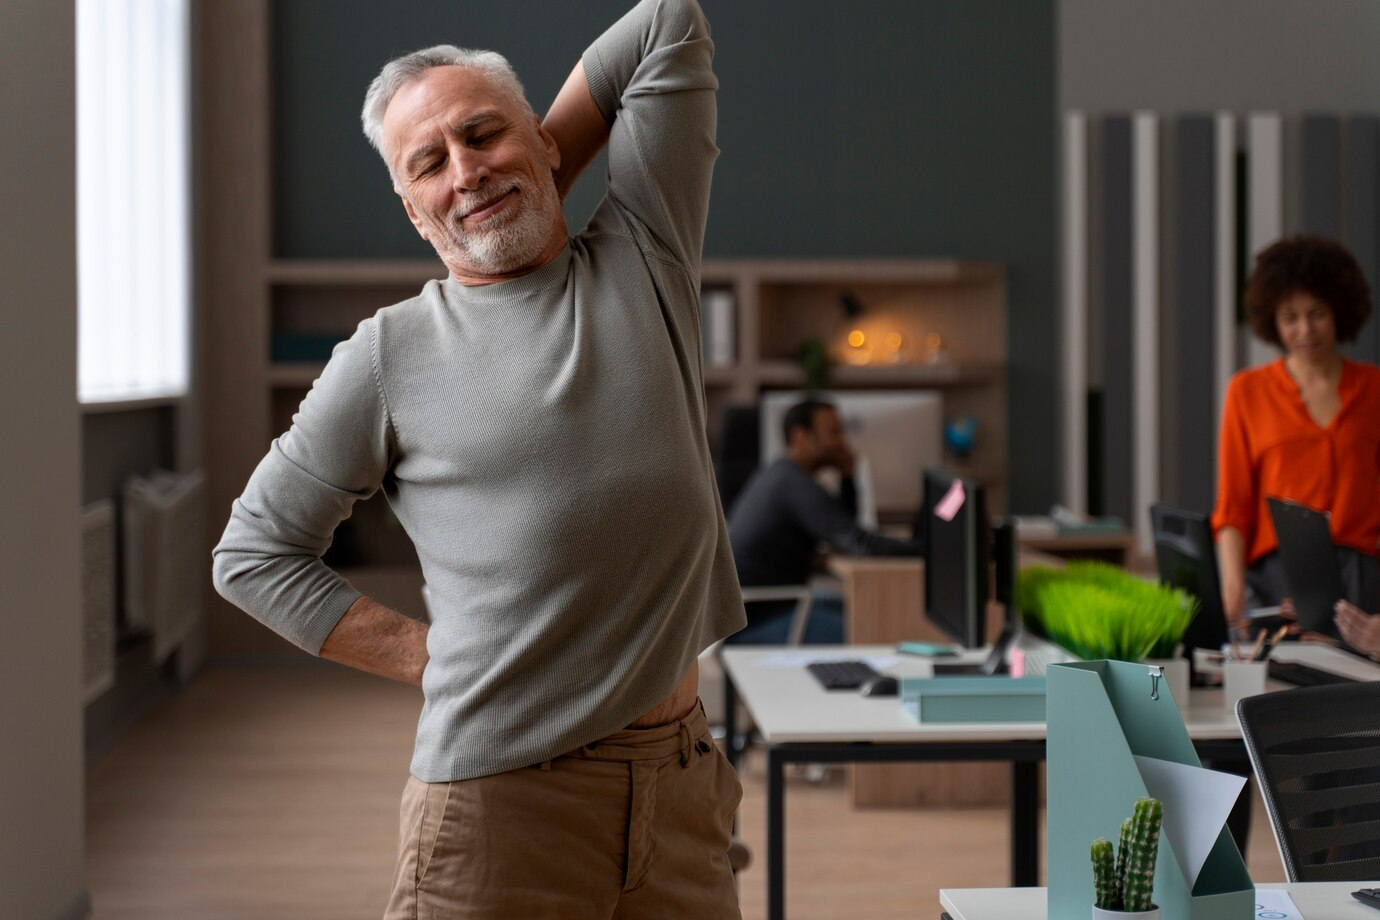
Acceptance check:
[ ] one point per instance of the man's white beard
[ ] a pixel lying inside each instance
(504, 243)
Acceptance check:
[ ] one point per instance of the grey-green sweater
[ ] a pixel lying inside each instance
(543, 443)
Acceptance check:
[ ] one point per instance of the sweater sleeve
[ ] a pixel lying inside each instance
(268, 561)
(1237, 498)
(823, 517)
(650, 75)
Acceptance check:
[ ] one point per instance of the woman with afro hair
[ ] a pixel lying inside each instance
(1304, 428)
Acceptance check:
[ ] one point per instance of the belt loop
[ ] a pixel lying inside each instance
(684, 743)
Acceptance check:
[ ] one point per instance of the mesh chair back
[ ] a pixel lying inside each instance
(1316, 752)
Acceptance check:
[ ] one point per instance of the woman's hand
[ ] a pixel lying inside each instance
(1361, 630)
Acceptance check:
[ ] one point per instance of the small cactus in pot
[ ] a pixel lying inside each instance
(1124, 880)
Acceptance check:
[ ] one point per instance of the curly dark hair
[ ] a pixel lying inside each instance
(1313, 264)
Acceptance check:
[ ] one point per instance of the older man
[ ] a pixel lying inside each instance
(537, 423)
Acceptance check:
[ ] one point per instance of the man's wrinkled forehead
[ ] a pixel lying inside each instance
(446, 98)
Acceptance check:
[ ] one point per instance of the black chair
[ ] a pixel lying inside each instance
(1316, 751)
(738, 453)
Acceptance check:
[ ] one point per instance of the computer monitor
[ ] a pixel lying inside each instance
(896, 432)
(954, 515)
(1187, 559)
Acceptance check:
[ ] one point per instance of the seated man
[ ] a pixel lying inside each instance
(783, 514)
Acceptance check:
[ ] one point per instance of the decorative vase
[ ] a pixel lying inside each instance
(1100, 914)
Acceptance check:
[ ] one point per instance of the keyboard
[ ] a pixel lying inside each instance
(1301, 675)
(841, 675)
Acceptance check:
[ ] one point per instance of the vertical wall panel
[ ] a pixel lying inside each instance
(1117, 328)
(1145, 335)
(1075, 318)
(1320, 175)
(1225, 263)
(1193, 361)
(1265, 146)
(1361, 215)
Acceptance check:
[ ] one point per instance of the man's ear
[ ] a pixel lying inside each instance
(553, 152)
(412, 213)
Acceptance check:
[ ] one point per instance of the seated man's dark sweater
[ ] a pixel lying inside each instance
(780, 518)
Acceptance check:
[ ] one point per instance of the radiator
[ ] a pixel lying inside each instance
(165, 561)
(98, 598)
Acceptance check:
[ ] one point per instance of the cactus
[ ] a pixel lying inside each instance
(1104, 875)
(1140, 862)
(1127, 883)
(1122, 849)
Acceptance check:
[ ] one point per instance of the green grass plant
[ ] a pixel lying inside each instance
(1096, 610)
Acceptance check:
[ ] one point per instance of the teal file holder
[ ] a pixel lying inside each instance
(1100, 716)
(974, 699)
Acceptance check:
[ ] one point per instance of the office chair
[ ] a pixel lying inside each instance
(1316, 751)
(716, 691)
(738, 452)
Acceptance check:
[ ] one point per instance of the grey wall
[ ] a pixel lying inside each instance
(1287, 56)
(880, 128)
(41, 777)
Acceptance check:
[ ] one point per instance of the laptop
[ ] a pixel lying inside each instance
(1311, 567)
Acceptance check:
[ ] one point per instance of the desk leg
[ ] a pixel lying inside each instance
(1025, 825)
(776, 835)
(731, 748)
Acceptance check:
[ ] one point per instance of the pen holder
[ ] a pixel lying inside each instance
(1241, 679)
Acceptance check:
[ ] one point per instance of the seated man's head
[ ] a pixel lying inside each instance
(470, 160)
(815, 436)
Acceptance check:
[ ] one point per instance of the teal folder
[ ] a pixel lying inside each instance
(1100, 717)
(963, 699)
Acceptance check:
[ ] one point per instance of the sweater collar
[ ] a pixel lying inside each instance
(537, 282)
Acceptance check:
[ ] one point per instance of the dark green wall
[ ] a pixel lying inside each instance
(871, 128)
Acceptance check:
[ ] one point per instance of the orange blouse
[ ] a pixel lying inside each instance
(1270, 446)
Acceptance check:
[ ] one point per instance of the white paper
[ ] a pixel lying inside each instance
(1196, 805)
(1275, 904)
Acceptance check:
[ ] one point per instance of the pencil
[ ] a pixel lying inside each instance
(1259, 644)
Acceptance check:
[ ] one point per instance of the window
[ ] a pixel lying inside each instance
(133, 199)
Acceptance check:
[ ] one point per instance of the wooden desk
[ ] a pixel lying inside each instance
(885, 600)
(1315, 900)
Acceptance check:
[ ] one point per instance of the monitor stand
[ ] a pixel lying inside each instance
(994, 665)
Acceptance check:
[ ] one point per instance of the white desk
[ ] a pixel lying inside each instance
(801, 722)
(1315, 900)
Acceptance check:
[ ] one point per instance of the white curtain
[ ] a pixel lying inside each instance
(133, 199)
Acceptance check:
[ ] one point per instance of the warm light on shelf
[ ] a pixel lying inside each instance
(858, 351)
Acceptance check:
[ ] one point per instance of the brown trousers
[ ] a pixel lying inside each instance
(636, 825)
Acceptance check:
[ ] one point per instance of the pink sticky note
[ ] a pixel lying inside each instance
(1015, 662)
(952, 502)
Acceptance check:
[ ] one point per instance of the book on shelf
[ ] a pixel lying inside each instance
(719, 326)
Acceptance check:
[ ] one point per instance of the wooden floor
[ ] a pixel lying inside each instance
(272, 792)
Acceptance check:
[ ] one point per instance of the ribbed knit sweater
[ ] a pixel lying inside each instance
(542, 441)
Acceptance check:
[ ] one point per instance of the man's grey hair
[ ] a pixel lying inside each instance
(399, 72)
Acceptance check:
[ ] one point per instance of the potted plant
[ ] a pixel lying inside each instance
(1095, 610)
(1124, 881)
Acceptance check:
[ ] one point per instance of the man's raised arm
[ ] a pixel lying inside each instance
(647, 86)
(578, 128)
